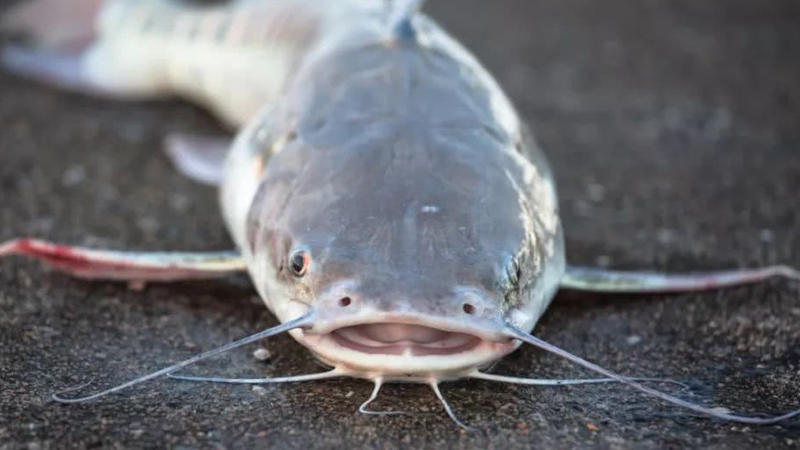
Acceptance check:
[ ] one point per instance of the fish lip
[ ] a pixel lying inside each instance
(486, 329)
(489, 345)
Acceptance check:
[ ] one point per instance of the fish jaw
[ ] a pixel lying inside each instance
(405, 347)
(404, 366)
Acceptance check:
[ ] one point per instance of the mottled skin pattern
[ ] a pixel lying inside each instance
(406, 174)
(232, 58)
(209, 56)
(369, 139)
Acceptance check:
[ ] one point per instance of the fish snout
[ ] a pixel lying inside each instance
(398, 317)
(462, 302)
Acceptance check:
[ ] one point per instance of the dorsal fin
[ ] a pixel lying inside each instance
(402, 26)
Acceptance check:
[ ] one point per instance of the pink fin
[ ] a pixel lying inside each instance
(127, 266)
(200, 158)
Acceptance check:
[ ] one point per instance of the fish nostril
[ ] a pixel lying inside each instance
(344, 301)
(469, 308)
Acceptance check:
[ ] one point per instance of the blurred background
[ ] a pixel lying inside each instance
(673, 128)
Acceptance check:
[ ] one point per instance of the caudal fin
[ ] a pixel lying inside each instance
(56, 36)
(54, 25)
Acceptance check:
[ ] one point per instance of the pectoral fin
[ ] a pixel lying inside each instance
(614, 281)
(201, 158)
(128, 266)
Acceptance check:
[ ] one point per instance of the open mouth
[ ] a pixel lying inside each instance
(406, 348)
(403, 339)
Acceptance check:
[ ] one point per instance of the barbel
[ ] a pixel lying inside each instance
(391, 208)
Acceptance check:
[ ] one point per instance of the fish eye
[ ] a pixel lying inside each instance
(299, 262)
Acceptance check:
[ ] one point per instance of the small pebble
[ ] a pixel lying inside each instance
(137, 285)
(633, 340)
(259, 390)
(603, 261)
(262, 354)
(148, 224)
(665, 236)
(596, 192)
(73, 176)
(179, 202)
(582, 208)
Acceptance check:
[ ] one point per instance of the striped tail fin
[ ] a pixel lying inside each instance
(57, 38)
(57, 25)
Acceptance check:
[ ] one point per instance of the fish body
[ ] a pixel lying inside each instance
(390, 156)
(390, 206)
(402, 169)
(370, 146)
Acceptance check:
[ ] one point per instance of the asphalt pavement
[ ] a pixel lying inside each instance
(673, 128)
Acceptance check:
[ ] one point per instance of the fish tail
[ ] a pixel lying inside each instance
(56, 25)
(82, 46)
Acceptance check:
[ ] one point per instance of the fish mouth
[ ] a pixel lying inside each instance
(406, 349)
(389, 338)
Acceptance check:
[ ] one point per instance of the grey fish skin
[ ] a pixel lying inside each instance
(373, 147)
(374, 196)
(393, 159)
(402, 169)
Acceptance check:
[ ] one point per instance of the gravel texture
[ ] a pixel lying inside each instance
(673, 127)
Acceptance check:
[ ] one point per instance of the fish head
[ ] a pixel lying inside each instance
(412, 250)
